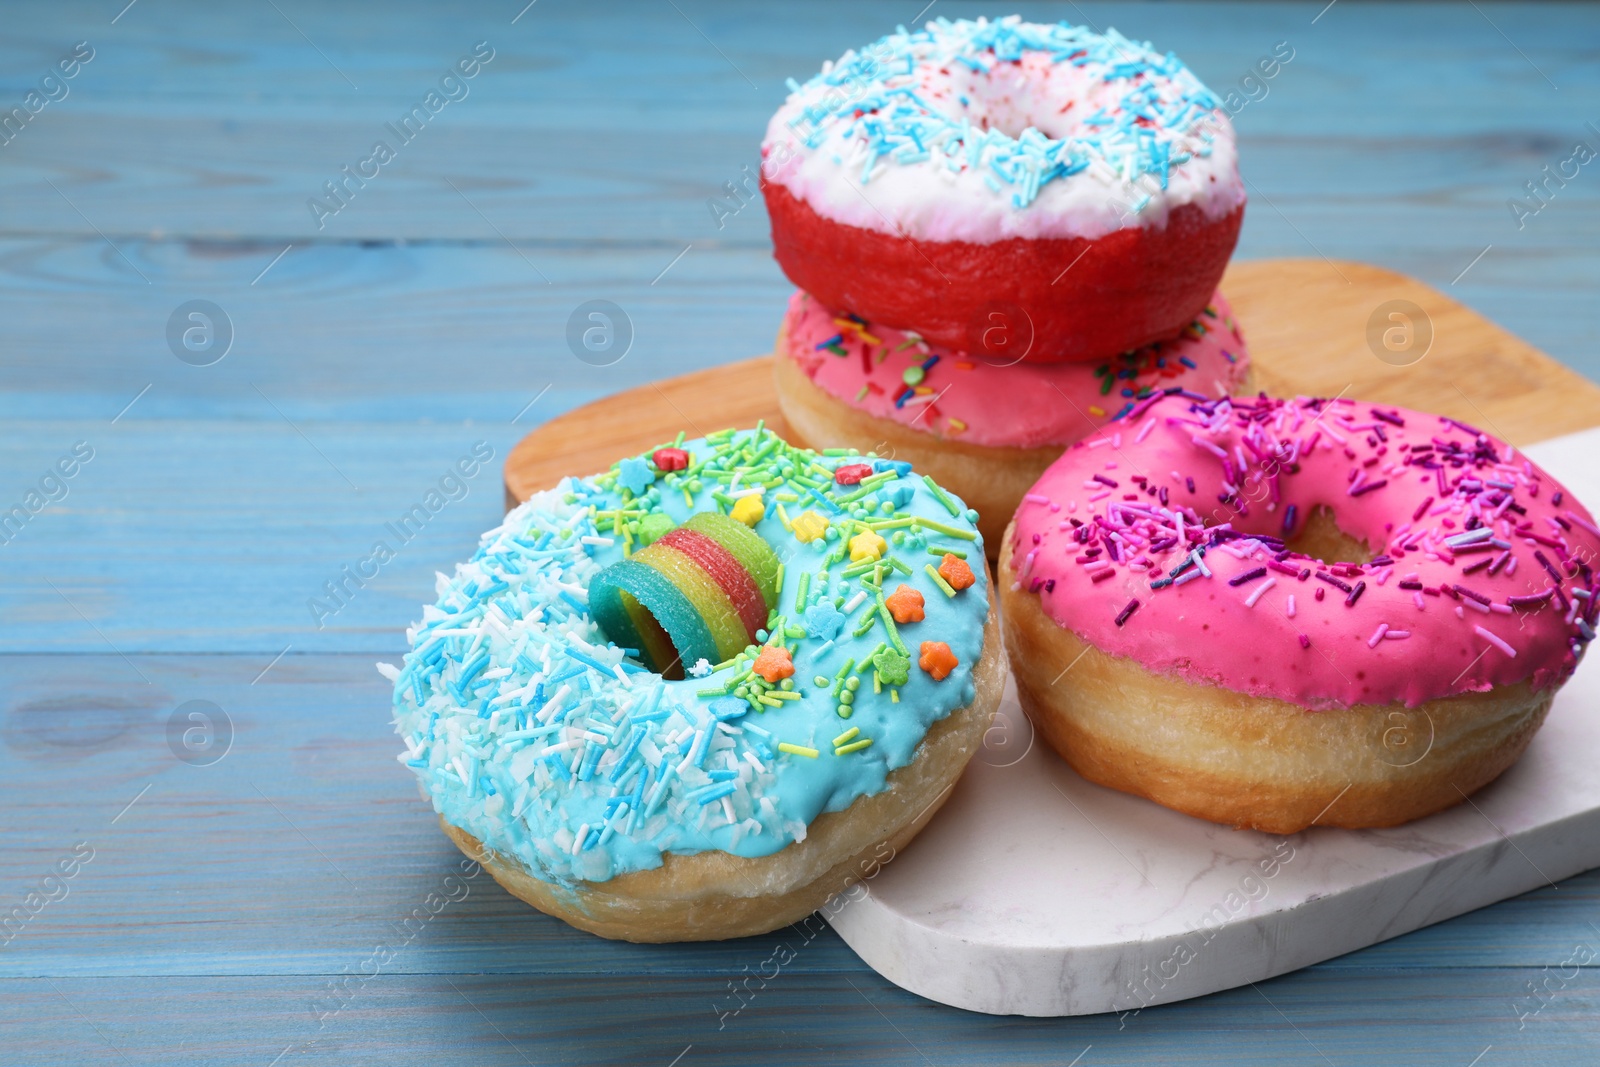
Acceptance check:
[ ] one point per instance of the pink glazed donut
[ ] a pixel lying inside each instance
(1270, 613)
(982, 427)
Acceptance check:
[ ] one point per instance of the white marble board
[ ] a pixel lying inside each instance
(1034, 892)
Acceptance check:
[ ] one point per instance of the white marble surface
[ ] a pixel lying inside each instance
(1036, 893)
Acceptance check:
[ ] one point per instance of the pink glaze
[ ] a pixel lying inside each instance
(1028, 405)
(1401, 481)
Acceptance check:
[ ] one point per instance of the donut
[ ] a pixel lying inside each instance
(1271, 613)
(1081, 187)
(696, 695)
(982, 427)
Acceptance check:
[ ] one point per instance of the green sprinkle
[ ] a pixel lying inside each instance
(943, 550)
(846, 736)
(797, 750)
(913, 374)
(800, 594)
(854, 746)
(938, 578)
(861, 394)
(821, 679)
(837, 452)
(948, 531)
(897, 565)
(940, 495)
(781, 695)
(888, 622)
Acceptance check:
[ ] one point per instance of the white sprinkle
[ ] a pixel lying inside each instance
(855, 602)
(1496, 642)
(1255, 594)
(1288, 607)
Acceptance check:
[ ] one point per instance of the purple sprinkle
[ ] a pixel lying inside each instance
(1324, 576)
(1132, 606)
(1474, 594)
(1305, 642)
(1247, 576)
(1391, 419)
(1556, 497)
(1369, 487)
(1288, 518)
(1532, 600)
(1190, 483)
(1355, 594)
(1103, 480)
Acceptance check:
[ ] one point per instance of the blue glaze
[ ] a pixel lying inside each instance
(533, 733)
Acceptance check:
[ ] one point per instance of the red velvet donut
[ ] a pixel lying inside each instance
(898, 192)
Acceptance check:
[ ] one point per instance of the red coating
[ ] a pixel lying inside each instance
(1122, 291)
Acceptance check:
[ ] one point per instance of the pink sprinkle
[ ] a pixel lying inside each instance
(1460, 614)
(1396, 635)
(1416, 598)
(1305, 642)
(1144, 431)
(1585, 523)
(1496, 642)
(1289, 608)
(1377, 635)
(1035, 498)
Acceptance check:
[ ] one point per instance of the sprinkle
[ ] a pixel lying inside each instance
(854, 746)
(938, 580)
(941, 496)
(797, 750)
(846, 736)
(1377, 635)
(1247, 576)
(1127, 610)
(937, 659)
(1495, 641)
(1255, 594)
(956, 573)
(1305, 642)
(1355, 594)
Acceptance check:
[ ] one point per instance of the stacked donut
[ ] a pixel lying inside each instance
(1005, 235)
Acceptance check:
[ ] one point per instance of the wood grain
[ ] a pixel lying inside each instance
(1307, 323)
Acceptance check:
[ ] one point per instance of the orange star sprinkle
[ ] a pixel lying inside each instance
(936, 658)
(774, 664)
(954, 570)
(905, 604)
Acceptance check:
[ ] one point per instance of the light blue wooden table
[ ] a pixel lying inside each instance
(235, 911)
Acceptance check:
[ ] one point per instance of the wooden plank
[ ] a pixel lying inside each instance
(219, 123)
(1307, 325)
(350, 333)
(1444, 1016)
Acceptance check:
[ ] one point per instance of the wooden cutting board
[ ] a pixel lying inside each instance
(1313, 327)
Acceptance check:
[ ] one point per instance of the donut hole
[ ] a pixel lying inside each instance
(1321, 538)
(1015, 95)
